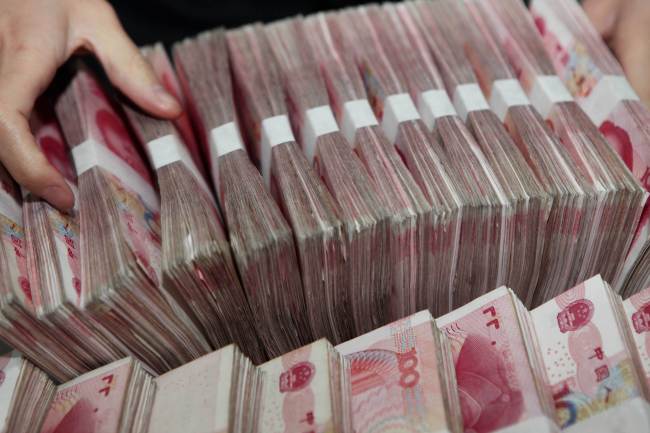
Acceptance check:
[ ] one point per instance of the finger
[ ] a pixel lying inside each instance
(26, 163)
(125, 66)
(603, 15)
(631, 47)
(24, 74)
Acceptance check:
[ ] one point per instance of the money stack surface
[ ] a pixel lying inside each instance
(261, 239)
(421, 152)
(501, 378)
(52, 246)
(197, 266)
(116, 398)
(25, 394)
(310, 209)
(39, 341)
(402, 378)
(493, 173)
(591, 361)
(363, 215)
(120, 233)
(597, 81)
(549, 161)
(219, 392)
(615, 194)
(411, 215)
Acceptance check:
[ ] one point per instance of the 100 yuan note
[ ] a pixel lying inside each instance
(195, 398)
(637, 311)
(497, 387)
(91, 403)
(394, 376)
(297, 394)
(592, 375)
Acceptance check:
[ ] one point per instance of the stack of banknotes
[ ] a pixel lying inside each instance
(335, 205)
(577, 363)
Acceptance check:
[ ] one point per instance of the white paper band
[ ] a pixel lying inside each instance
(168, 149)
(222, 140)
(397, 109)
(547, 91)
(505, 94)
(606, 95)
(10, 208)
(356, 114)
(318, 121)
(275, 130)
(434, 104)
(91, 154)
(468, 98)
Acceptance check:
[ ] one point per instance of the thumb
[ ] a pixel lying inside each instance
(124, 64)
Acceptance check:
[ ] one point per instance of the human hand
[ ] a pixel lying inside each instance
(625, 26)
(38, 36)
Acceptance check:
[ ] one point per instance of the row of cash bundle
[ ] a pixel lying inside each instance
(579, 363)
(330, 174)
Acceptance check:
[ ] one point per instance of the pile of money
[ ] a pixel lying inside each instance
(309, 207)
(116, 398)
(25, 394)
(597, 81)
(261, 240)
(411, 215)
(363, 215)
(591, 361)
(119, 214)
(197, 266)
(421, 152)
(615, 195)
(335, 206)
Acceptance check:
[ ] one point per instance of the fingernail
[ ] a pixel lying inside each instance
(61, 198)
(165, 100)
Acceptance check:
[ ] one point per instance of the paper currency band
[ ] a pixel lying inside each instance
(357, 114)
(610, 91)
(397, 109)
(170, 148)
(91, 154)
(275, 131)
(223, 140)
(434, 104)
(318, 121)
(505, 94)
(10, 208)
(547, 91)
(468, 98)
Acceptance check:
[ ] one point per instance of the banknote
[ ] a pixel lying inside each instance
(130, 178)
(589, 368)
(91, 403)
(394, 374)
(494, 367)
(12, 236)
(64, 225)
(10, 365)
(195, 398)
(637, 311)
(297, 395)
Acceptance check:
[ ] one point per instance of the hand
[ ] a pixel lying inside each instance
(625, 25)
(38, 36)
